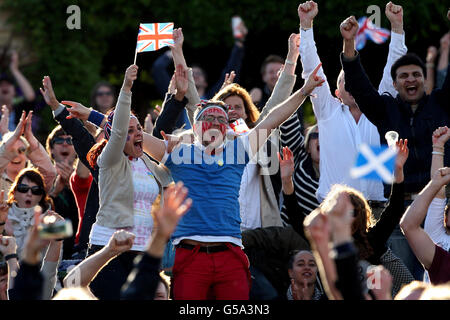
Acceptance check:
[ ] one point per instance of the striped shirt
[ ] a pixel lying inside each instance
(304, 178)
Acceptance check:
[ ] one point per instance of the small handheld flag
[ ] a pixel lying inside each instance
(367, 30)
(374, 163)
(154, 36)
(239, 126)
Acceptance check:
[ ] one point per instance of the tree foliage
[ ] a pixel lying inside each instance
(104, 47)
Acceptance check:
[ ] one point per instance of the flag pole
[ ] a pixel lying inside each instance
(135, 50)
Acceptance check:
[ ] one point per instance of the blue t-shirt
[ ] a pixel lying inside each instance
(213, 182)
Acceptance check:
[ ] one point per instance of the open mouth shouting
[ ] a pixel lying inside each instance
(138, 145)
(411, 90)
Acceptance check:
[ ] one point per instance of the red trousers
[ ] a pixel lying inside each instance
(221, 275)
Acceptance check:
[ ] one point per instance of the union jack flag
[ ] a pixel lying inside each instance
(367, 30)
(154, 36)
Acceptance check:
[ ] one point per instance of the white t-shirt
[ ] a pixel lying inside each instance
(434, 224)
(250, 198)
(145, 190)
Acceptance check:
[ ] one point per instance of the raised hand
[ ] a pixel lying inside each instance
(178, 39)
(9, 144)
(349, 27)
(172, 141)
(402, 156)
(48, 93)
(395, 15)
(441, 177)
(229, 79)
(4, 121)
(382, 289)
(307, 11)
(64, 170)
(4, 207)
(293, 47)
(77, 110)
(28, 133)
(445, 42)
(440, 137)
(432, 53)
(148, 124)
(130, 76)
(14, 62)
(181, 82)
(286, 163)
(317, 228)
(313, 81)
(7, 245)
(120, 241)
(175, 206)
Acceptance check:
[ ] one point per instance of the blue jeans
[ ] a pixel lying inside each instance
(400, 246)
(261, 288)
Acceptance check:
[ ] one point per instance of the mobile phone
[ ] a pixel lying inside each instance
(51, 229)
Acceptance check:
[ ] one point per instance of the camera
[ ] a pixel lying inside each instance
(51, 229)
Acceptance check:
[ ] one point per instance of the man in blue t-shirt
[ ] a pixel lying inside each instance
(209, 260)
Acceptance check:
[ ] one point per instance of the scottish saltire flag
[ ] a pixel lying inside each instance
(367, 30)
(154, 36)
(374, 163)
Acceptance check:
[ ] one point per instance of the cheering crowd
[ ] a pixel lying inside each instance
(226, 195)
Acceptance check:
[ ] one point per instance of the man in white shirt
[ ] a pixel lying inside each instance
(342, 125)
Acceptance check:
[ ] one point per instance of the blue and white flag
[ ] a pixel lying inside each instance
(374, 163)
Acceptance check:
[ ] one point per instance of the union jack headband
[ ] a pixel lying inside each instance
(108, 124)
(207, 105)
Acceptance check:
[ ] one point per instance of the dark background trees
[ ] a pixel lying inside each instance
(105, 44)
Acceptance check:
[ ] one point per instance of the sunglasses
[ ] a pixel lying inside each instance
(104, 93)
(59, 140)
(36, 190)
(211, 118)
(314, 135)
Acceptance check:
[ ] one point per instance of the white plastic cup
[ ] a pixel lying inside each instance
(391, 138)
(236, 22)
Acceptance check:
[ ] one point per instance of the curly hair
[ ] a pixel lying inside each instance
(363, 217)
(95, 152)
(35, 176)
(234, 89)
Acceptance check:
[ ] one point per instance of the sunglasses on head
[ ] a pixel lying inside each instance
(36, 190)
(59, 140)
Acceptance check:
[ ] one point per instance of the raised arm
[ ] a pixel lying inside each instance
(112, 152)
(419, 241)
(23, 83)
(38, 155)
(83, 274)
(324, 103)
(286, 81)
(173, 105)
(397, 47)
(392, 214)
(434, 221)
(282, 112)
(82, 139)
(356, 81)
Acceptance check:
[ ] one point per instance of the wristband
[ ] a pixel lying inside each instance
(96, 117)
(2, 223)
(437, 147)
(438, 153)
(11, 256)
(289, 62)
